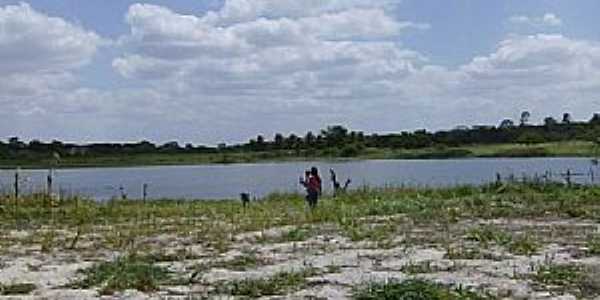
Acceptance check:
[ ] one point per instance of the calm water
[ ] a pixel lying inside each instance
(227, 181)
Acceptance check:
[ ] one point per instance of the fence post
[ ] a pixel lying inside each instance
(49, 184)
(17, 183)
(568, 177)
(16, 212)
(144, 192)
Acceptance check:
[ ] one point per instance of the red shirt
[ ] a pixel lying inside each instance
(314, 183)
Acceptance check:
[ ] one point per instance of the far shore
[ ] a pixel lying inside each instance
(559, 149)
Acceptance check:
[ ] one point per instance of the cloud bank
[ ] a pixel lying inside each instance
(266, 66)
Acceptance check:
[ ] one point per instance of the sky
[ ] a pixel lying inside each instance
(213, 71)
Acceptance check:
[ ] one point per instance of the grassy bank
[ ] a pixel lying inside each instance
(561, 149)
(165, 246)
(518, 200)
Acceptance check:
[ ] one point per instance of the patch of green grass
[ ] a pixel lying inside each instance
(593, 245)
(489, 235)
(179, 255)
(414, 290)
(333, 269)
(16, 289)
(279, 284)
(296, 235)
(376, 233)
(124, 273)
(578, 280)
(462, 252)
(241, 263)
(419, 268)
(561, 275)
(524, 245)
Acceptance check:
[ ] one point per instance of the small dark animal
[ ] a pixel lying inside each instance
(245, 197)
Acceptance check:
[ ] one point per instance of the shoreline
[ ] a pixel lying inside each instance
(149, 164)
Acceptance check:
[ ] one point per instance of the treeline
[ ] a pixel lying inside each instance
(333, 141)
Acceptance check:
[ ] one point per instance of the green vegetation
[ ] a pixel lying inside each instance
(414, 290)
(551, 149)
(567, 138)
(214, 222)
(593, 245)
(404, 217)
(278, 284)
(419, 268)
(16, 289)
(524, 245)
(489, 235)
(578, 280)
(129, 272)
(462, 252)
(239, 263)
(562, 275)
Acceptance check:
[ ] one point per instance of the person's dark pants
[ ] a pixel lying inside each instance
(312, 197)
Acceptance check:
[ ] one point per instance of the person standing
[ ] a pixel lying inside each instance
(313, 187)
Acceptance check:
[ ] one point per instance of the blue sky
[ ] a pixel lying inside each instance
(212, 71)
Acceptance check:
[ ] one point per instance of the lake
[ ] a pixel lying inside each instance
(228, 181)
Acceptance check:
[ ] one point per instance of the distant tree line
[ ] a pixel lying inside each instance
(334, 140)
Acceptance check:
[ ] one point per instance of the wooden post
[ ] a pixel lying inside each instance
(16, 211)
(17, 184)
(144, 192)
(49, 184)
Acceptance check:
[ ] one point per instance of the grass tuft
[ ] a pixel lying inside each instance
(279, 284)
(524, 245)
(17, 289)
(414, 290)
(124, 273)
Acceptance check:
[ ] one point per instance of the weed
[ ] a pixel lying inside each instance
(375, 233)
(561, 275)
(488, 234)
(240, 263)
(124, 273)
(17, 289)
(524, 245)
(419, 268)
(593, 245)
(414, 290)
(333, 269)
(278, 284)
(48, 241)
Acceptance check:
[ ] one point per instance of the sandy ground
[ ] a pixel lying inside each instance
(342, 263)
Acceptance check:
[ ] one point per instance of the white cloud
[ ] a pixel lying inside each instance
(344, 65)
(547, 20)
(266, 55)
(38, 52)
(261, 66)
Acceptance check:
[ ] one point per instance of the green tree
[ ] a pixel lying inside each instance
(550, 121)
(278, 141)
(309, 139)
(524, 118)
(506, 123)
(335, 135)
